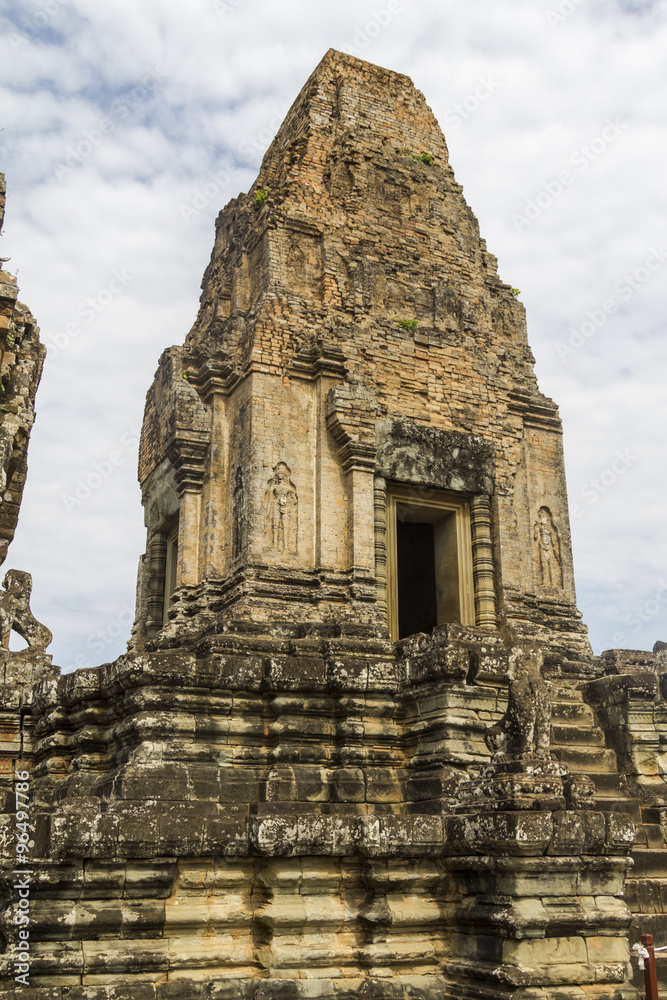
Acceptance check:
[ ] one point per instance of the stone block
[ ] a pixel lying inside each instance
(347, 674)
(296, 673)
(578, 832)
(551, 960)
(506, 833)
(427, 830)
(348, 785)
(181, 990)
(621, 688)
(225, 835)
(620, 835)
(382, 785)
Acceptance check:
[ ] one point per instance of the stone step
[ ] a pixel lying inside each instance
(649, 835)
(645, 895)
(572, 712)
(617, 804)
(565, 735)
(586, 760)
(609, 783)
(650, 815)
(649, 863)
(561, 695)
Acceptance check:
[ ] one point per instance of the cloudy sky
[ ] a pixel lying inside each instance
(126, 127)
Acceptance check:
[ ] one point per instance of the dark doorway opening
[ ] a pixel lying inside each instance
(417, 600)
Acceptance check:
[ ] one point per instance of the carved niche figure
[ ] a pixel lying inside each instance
(15, 612)
(282, 509)
(548, 546)
(237, 515)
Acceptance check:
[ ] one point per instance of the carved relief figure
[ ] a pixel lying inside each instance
(282, 507)
(237, 515)
(296, 263)
(548, 545)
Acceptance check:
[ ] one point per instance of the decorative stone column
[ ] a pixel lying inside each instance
(157, 559)
(187, 453)
(351, 421)
(482, 561)
(380, 504)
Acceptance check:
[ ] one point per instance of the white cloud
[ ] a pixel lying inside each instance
(222, 79)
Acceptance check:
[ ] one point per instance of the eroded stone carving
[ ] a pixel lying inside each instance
(282, 511)
(580, 792)
(546, 535)
(523, 773)
(15, 613)
(528, 720)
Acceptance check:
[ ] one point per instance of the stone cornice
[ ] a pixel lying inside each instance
(187, 453)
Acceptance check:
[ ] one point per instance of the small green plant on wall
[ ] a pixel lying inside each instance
(261, 194)
(427, 158)
(408, 324)
(516, 292)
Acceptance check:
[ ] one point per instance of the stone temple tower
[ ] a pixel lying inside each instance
(352, 433)
(359, 747)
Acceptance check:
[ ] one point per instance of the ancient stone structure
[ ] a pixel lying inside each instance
(21, 361)
(359, 746)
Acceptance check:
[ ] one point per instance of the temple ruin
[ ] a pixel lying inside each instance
(359, 746)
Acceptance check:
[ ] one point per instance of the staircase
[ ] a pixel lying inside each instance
(579, 743)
